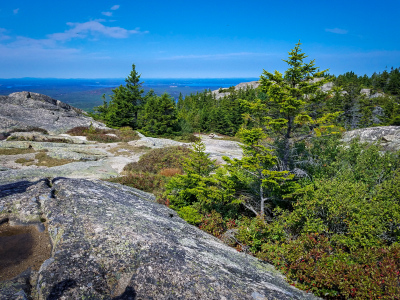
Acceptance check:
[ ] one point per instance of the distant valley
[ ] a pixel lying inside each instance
(86, 93)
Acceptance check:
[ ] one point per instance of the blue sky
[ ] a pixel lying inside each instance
(193, 39)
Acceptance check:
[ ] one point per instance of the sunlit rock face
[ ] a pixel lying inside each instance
(110, 241)
(29, 110)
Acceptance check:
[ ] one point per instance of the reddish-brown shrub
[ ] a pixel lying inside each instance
(157, 159)
(169, 172)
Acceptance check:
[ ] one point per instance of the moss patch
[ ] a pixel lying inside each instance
(46, 161)
(25, 161)
(16, 151)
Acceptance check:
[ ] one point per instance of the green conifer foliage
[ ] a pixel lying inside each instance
(120, 111)
(183, 190)
(288, 98)
(159, 116)
(258, 173)
(126, 102)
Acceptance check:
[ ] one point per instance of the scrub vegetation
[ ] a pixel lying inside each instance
(326, 214)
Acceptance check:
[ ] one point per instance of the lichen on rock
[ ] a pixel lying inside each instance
(109, 241)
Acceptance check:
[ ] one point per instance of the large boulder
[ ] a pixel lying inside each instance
(110, 241)
(24, 110)
(387, 136)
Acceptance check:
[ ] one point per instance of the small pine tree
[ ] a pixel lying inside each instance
(183, 190)
(258, 173)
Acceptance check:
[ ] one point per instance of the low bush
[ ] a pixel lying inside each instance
(29, 129)
(186, 138)
(5, 135)
(340, 241)
(153, 170)
(190, 215)
(157, 159)
(313, 263)
(148, 182)
(170, 172)
(213, 223)
(36, 139)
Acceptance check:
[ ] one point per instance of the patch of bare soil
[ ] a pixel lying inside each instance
(21, 248)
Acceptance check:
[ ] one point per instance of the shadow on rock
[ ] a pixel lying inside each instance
(18, 187)
(129, 294)
(58, 289)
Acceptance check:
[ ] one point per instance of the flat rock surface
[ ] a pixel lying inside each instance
(112, 242)
(91, 159)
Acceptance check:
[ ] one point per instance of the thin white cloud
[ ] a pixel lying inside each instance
(3, 35)
(337, 30)
(92, 29)
(15, 11)
(23, 42)
(107, 13)
(115, 7)
(215, 56)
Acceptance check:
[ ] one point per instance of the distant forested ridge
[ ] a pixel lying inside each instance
(364, 101)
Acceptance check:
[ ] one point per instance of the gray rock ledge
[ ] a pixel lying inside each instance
(388, 136)
(110, 242)
(26, 110)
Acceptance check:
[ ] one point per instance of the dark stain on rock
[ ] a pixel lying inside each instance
(59, 288)
(129, 294)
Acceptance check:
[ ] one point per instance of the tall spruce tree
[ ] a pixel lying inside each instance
(284, 112)
(125, 102)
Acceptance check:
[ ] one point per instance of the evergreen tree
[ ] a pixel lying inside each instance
(125, 102)
(183, 190)
(159, 116)
(257, 172)
(288, 98)
(120, 111)
(393, 87)
(100, 111)
(135, 92)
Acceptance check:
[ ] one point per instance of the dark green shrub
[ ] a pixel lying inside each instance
(395, 121)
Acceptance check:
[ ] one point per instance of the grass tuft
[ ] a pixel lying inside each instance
(16, 151)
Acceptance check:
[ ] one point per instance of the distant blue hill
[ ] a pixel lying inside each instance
(86, 93)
